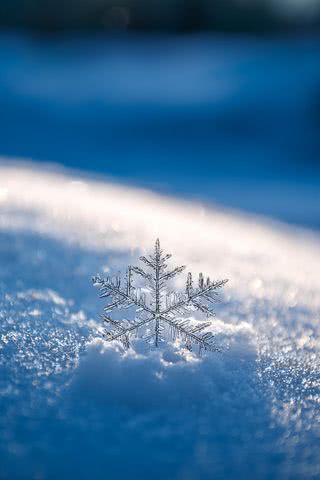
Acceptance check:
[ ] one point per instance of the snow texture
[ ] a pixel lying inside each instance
(74, 406)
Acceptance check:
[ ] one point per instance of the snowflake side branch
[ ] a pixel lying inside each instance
(211, 287)
(192, 296)
(173, 273)
(149, 263)
(204, 308)
(141, 272)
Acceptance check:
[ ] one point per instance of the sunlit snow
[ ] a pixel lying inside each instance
(69, 402)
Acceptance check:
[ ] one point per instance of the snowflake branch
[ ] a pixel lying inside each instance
(192, 296)
(142, 273)
(148, 262)
(204, 341)
(131, 328)
(173, 273)
(114, 290)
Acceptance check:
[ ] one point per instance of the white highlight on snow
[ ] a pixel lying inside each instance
(103, 215)
(46, 296)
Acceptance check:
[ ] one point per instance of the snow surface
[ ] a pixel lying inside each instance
(72, 406)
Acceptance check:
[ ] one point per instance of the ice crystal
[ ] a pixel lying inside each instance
(158, 311)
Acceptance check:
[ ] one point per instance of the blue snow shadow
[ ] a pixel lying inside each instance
(71, 407)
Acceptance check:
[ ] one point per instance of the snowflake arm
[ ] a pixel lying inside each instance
(131, 327)
(194, 297)
(120, 297)
(191, 334)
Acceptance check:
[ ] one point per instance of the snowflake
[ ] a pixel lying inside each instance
(157, 311)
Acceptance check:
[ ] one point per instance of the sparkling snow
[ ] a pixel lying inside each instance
(71, 405)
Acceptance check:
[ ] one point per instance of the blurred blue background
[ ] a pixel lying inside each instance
(210, 100)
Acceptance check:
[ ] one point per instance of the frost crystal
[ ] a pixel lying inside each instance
(158, 311)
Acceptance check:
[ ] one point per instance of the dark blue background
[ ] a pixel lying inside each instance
(234, 120)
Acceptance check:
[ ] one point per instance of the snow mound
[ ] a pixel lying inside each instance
(73, 406)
